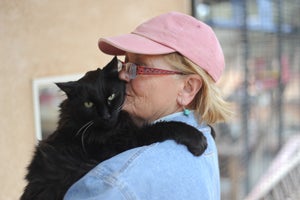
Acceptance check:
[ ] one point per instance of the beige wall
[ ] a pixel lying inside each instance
(42, 38)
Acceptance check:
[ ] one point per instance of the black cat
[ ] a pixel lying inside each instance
(93, 128)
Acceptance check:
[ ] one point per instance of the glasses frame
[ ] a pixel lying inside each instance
(133, 70)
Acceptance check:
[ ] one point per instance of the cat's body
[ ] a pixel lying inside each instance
(91, 129)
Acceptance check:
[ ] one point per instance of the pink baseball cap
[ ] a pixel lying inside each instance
(168, 33)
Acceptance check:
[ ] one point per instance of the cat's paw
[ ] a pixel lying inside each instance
(196, 144)
(189, 136)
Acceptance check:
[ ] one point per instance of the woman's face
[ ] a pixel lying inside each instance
(150, 97)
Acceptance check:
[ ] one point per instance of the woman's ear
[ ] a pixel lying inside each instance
(192, 85)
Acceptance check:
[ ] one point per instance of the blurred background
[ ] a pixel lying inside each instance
(259, 149)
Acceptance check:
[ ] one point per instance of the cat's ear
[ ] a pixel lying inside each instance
(67, 87)
(113, 67)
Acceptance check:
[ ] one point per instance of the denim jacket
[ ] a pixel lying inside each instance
(161, 171)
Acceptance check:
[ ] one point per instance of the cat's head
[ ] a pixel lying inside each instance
(98, 96)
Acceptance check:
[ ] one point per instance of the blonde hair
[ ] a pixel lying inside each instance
(208, 104)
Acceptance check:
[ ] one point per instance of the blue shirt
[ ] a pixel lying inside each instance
(161, 171)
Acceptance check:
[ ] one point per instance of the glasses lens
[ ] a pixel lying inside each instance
(131, 70)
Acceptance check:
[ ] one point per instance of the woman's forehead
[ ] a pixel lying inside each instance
(141, 56)
(136, 57)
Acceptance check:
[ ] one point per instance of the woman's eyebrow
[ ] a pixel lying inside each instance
(137, 60)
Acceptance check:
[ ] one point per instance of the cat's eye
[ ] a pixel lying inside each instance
(88, 104)
(110, 98)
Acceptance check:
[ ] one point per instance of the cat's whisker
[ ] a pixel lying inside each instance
(83, 127)
(83, 134)
(119, 108)
(83, 130)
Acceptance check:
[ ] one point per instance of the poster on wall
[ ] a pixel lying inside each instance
(46, 100)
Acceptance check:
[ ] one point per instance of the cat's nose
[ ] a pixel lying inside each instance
(106, 116)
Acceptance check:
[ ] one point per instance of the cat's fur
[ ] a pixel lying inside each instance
(93, 128)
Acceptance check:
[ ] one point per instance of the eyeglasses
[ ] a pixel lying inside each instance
(133, 70)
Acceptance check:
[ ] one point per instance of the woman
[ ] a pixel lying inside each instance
(172, 62)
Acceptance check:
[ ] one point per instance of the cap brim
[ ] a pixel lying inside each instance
(132, 43)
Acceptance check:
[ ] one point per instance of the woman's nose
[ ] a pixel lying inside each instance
(123, 75)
